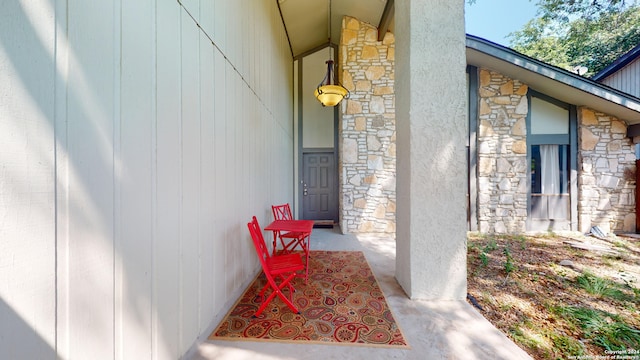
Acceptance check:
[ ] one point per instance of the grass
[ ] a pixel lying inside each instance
(509, 266)
(598, 286)
(554, 311)
(522, 240)
(523, 334)
(490, 246)
(566, 344)
(546, 342)
(604, 329)
(484, 258)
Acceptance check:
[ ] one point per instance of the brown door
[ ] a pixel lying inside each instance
(319, 197)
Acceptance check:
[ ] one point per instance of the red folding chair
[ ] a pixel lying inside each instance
(281, 267)
(292, 239)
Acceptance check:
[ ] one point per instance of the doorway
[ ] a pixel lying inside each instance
(317, 143)
(319, 196)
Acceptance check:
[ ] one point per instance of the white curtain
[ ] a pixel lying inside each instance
(549, 169)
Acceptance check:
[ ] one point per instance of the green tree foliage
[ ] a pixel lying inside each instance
(579, 33)
(565, 10)
(574, 33)
(538, 40)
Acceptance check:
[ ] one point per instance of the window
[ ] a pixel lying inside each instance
(549, 181)
(551, 156)
(548, 118)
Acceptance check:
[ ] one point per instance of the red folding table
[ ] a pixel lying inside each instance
(305, 226)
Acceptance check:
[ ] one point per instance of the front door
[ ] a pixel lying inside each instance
(319, 197)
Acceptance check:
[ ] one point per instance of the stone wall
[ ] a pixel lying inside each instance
(502, 154)
(367, 163)
(607, 178)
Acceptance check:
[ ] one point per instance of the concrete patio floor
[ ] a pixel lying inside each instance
(434, 329)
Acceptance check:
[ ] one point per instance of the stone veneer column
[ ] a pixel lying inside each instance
(431, 113)
(367, 131)
(502, 154)
(607, 181)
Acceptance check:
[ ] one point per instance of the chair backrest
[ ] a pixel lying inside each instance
(258, 241)
(282, 212)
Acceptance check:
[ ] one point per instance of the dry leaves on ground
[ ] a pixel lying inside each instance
(559, 296)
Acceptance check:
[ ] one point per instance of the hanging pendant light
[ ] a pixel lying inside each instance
(330, 92)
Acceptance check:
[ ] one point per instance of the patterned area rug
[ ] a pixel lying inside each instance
(341, 304)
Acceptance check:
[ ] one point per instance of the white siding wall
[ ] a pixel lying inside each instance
(626, 79)
(132, 154)
(27, 208)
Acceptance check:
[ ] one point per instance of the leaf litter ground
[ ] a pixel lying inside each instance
(559, 296)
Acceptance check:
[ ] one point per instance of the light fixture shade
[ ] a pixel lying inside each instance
(330, 95)
(330, 92)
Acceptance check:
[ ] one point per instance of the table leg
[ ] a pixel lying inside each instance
(308, 250)
(275, 241)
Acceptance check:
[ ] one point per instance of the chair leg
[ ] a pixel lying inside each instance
(303, 243)
(277, 290)
(289, 247)
(307, 250)
(291, 288)
(267, 285)
(265, 302)
(284, 298)
(264, 289)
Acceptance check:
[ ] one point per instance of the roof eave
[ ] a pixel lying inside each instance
(618, 64)
(551, 80)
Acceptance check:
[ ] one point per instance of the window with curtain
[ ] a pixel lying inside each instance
(549, 146)
(549, 181)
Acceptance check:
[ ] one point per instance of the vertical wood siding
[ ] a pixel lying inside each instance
(626, 79)
(27, 211)
(134, 151)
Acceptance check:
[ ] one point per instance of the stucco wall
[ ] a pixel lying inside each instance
(367, 162)
(431, 125)
(134, 152)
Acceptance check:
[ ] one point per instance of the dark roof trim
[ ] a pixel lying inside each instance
(385, 19)
(618, 64)
(529, 63)
(552, 72)
(285, 28)
(633, 130)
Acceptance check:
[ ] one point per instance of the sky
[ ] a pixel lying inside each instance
(495, 19)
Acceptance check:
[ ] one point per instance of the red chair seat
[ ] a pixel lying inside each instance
(284, 263)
